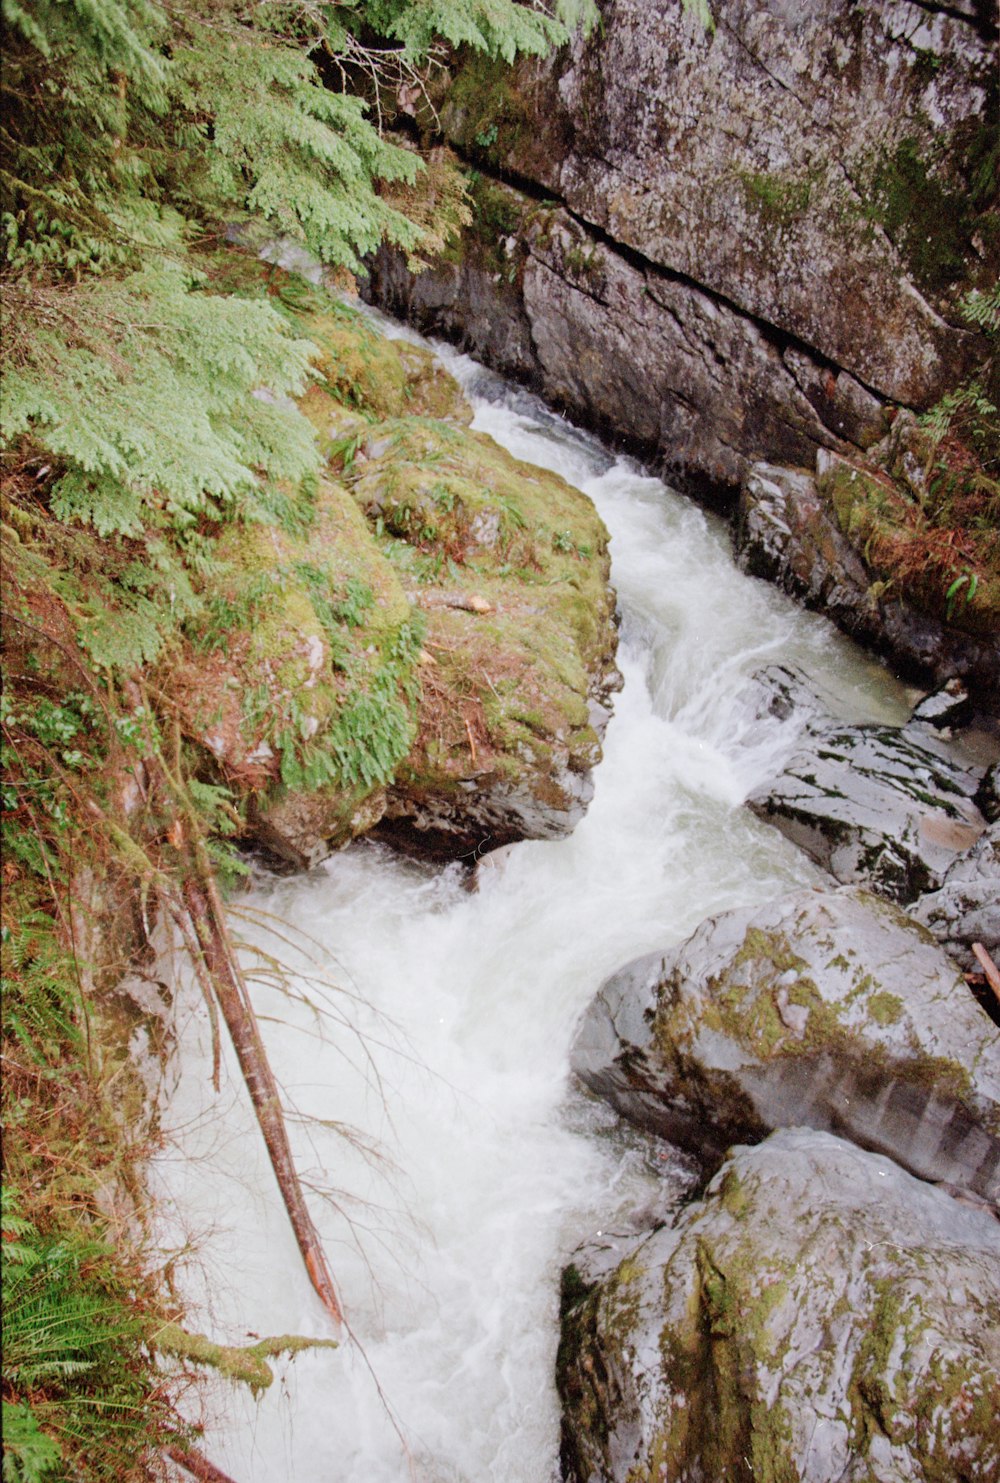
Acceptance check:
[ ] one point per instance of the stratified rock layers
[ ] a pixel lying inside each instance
(741, 241)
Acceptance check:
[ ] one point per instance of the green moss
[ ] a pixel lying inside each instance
(885, 1008)
(245, 1365)
(509, 687)
(778, 199)
(931, 198)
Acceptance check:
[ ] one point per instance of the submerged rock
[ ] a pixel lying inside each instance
(892, 807)
(831, 1010)
(817, 1315)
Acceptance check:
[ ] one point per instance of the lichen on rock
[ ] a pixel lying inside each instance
(817, 1314)
(831, 1010)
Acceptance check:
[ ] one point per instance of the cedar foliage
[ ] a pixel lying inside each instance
(147, 409)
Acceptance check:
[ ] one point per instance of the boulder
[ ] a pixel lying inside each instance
(889, 806)
(506, 566)
(819, 1314)
(966, 907)
(424, 646)
(831, 1010)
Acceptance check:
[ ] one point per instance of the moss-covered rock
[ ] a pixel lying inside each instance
(300, 682)
(949, 570)
(508, 566)
(829, 1010)
(818, 1314)
(435, 615)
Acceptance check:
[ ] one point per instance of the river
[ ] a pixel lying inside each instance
(455, 1166)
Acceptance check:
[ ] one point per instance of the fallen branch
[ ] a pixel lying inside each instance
(237, 1011)
(988, 966)
(197, 1465)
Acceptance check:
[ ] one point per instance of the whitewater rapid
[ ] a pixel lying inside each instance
(454, 1165)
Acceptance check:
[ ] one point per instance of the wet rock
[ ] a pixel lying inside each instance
(752, 159)
(966, 907)
(508, 571)
(892, 807)
(787, 532)
(299, 829)
(817, 1315)
(831, 1010)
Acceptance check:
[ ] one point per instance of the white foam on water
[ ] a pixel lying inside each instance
(447, 1045)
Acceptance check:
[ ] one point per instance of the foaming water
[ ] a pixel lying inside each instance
(459, 1166)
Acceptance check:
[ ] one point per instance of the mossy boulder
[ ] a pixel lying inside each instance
(507, 565)
(831, 1010)
(299, 680)
(364, 377)
(818, 1314)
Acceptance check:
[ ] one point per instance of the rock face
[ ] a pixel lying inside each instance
(818, 1315)
(625, 348)
(765, 221)
(829, 1010)
(892, 807)
(787, 532)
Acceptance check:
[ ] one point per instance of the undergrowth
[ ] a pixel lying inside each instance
(929, 525)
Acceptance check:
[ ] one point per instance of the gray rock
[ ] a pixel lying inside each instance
(818, 1315)
(620, 346)
(746, 160)
(302, 829)
(786, 532)
(831, 1010)
(966, 907)
(891, 807)
(487, 814)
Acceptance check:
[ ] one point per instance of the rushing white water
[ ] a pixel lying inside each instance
(449, 1038)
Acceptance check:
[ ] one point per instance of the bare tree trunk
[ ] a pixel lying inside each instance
(237, 1011)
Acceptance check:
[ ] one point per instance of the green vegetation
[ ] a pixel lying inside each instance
(777, 199)
(932, 199)
(174, 649)
(926, 520)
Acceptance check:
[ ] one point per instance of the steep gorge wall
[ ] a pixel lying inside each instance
(719, 246)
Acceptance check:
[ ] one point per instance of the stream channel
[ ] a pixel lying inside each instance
(471, 1166)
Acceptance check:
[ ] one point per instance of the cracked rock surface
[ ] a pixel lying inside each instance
(891, 807)
(818, 1315)
(831, 1010)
